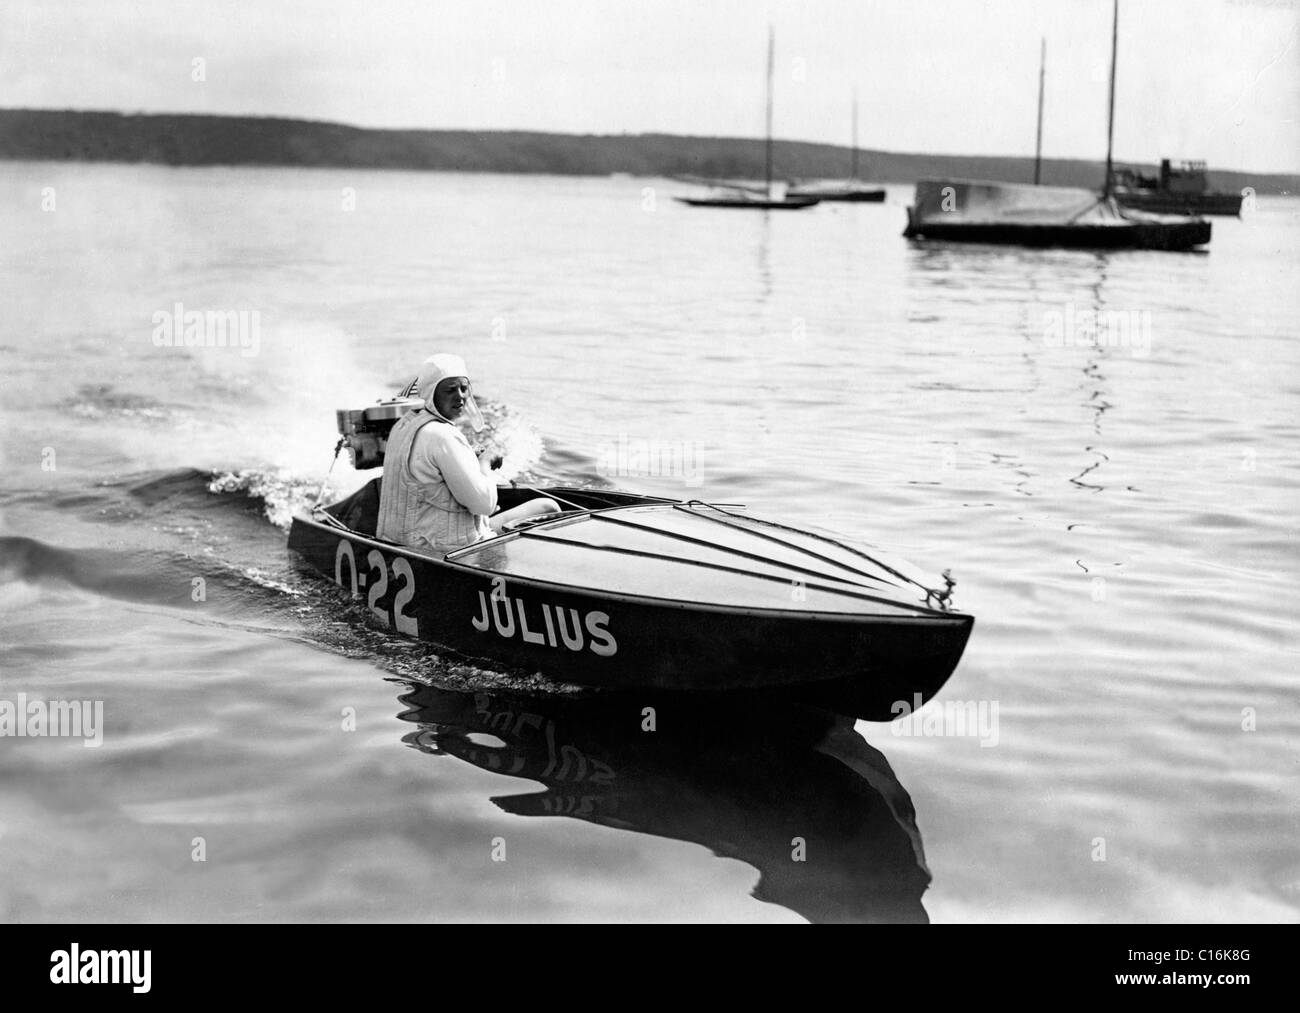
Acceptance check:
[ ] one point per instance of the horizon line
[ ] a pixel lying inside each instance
(1292, 174)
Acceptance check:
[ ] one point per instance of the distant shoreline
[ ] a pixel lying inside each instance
(203, 140)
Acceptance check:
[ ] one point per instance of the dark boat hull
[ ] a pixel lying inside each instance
(1167, 202)
(1134, 236)
(848, 196)
(863, 664)
(789, 204)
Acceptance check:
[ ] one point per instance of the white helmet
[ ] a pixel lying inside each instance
(433, 371)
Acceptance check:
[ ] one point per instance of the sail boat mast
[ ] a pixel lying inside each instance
(1038, 143)
(771, 51)
(854, 174)
(1110, 118)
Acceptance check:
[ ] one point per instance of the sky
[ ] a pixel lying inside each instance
(1212, 79)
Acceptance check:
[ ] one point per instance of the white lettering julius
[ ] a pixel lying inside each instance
(75, 966)
(545, 624)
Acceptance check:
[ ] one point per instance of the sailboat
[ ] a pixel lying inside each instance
(849, 190)
(977, 211)
(770, 197)
(1038, 136)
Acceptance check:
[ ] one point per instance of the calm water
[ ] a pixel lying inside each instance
(1121, 520)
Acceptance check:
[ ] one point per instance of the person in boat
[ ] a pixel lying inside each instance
(437, 493)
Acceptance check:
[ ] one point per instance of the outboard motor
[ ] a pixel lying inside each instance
(365, 431)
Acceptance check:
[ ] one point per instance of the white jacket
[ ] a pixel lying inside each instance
(434, 494)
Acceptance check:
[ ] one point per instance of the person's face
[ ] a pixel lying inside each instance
(449, 396)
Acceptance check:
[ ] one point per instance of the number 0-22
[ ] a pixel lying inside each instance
(379, 586)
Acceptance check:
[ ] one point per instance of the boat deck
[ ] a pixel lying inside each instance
(697, 553)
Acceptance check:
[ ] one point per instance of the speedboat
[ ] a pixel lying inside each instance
(622, 591)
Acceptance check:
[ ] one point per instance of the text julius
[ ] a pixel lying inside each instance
(101, 967)
(544, 624)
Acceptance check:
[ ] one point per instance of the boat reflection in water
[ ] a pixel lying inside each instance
(744, 779)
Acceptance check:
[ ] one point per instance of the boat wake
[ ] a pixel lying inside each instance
(286, 491)
(210, 542)
(140, 576)
(281, 493)
(210, 546)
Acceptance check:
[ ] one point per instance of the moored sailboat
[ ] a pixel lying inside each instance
(851, 190)
(772, 197)
(981, 211)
